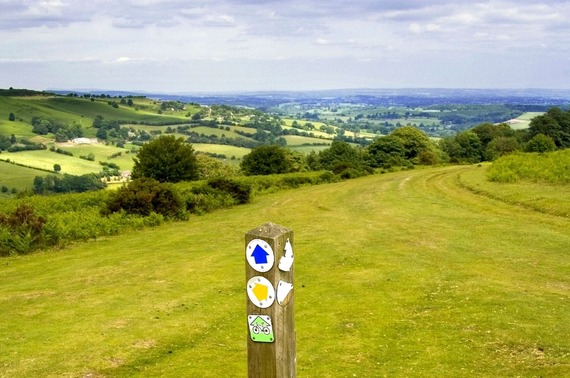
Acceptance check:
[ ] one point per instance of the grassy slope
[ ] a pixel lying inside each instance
(14, 176)
(523, 121)
(404, 274)
(46, 159)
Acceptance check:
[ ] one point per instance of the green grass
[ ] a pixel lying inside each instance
(102, 152)
(308, 149)
(552, 199)
(549, 168)
(45, 159)
(77, 110)
(14, 176)
(19, 129)
(297, 140)
(523, 121)
(403, 274)
(229, 151)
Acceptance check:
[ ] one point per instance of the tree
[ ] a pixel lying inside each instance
(11, 117)
(555, 124)
(470, 149)
(540, 143)
(56, 168)
(166, 159)
(101, 134)
(487, 132)
(414, 140)
(67, 184)
(341, 156)
(500, 146)
(387, 151)
(266, 160)
(5, 143)
(41, 126)
(209, 167)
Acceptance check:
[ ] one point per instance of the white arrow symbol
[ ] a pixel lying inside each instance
(286, 262)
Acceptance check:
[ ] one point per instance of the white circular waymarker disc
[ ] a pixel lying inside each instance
(259, 255)
(260, 292)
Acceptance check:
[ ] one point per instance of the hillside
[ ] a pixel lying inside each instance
(118, 125)
(402, 274)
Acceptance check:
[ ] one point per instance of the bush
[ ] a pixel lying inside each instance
(21, 231)
(217, 193)
(240, 191)
(145, 196)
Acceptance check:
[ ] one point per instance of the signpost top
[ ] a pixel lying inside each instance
(268, 230)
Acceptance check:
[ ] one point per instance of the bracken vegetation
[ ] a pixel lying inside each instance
(549, 168)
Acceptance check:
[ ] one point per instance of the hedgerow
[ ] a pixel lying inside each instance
(39, 222)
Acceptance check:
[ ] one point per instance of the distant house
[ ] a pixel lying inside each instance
(84, 141)
(126, 175)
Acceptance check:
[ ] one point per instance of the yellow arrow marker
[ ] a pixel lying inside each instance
(260, 291)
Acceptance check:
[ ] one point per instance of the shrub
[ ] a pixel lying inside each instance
(240, 191)
(215, 194)
(21, 231)
(145, 196)
(540, 143)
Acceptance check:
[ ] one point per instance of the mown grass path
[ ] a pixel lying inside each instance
(404, 274)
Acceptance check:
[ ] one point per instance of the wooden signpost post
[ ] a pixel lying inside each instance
(271, 346)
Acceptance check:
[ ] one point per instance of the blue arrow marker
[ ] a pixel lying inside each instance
(259, 255)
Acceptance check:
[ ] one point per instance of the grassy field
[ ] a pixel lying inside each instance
(297, 140)
(19, 129)
(398, 275)
(14, 176)
(45, 159)
(523, 121)
(229, 151)
(78, 110)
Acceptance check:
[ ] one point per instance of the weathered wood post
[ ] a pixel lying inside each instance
(271, 345)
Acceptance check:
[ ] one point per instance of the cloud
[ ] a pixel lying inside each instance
(179, 33)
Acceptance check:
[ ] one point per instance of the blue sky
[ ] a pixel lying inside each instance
(247, 45)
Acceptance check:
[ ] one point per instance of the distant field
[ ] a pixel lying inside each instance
(316, 133)
(77, 110)
(523, 121)
(297, 140)
(14, 176)
(46, 159)
(308, 149)
(102, 152)
(19, 129)
(229, 151)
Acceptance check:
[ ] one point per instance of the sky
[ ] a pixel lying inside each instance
(196, 46)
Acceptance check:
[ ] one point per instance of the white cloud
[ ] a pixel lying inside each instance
(180, 33)
(415, 28)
